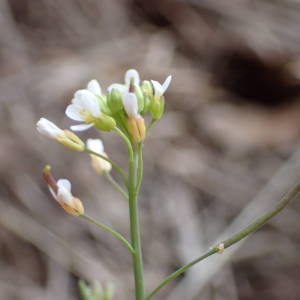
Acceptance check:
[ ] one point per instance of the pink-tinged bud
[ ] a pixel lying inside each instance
(61, 192)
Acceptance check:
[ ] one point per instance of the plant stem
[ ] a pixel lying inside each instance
(140, 167)
(116, 185)
(127, 142)
(137, 259)
(233, 239)
(111, 231)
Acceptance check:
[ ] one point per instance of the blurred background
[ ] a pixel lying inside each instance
(225, 151)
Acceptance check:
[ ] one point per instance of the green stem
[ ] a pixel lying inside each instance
(137, 259)
(127, 142)
(116, 185)
(233, 239)
(140, 167)
(134, 169)
(111, 231)
(114, 165)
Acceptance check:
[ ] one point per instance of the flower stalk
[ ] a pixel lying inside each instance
(137, 258)
(124, 109)
(251, 228)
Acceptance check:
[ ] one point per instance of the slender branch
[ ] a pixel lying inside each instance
(111, 231)
(114, 165)
(135, 232)
(233, 239)
(140, 167)
(116, 185)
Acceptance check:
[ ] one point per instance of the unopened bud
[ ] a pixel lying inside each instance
(136, 127)
(99, 164)
(105, 123)
(147, 88)
(157, 107)
(61, 191)
(140, 98)
(114, 101)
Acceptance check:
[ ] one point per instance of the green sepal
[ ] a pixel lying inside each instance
(114, 101)
(147, 105)
(157, 107)
(105, 123)
(147, 88)
(103, 105)
(140, 97)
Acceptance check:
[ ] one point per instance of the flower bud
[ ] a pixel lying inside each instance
(114, 101)
(140, 97)
(157, 107)
(64, 137)
(105, 123)
(147, 88)
(136, 127)
(99, 165)
(61, 191)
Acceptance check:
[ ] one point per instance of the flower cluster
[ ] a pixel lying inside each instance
(122, 109)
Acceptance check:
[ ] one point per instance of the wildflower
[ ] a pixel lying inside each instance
(98, 164)
(64, 137)
(158, 102)
(85, 107)
(61, 191)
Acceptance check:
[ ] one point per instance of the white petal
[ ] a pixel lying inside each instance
(158, 89)
(48, 128)
(63, 195)
(117, 86)
(95, 145)
(94, 87)
(64, 191)
(64, 183)
(81, 127)
(73, 112)
(166, 84)
(132, 73)
(130, 104)
(88, 101)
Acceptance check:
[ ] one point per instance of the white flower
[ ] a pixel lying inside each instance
(159, 89)
(129, 75)
(130, 103)
(85, 107)
(61, 192)
(48, 128)
(67, 201)
(94, 87)
(99, 165)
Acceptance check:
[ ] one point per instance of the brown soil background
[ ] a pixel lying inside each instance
(226, 150)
